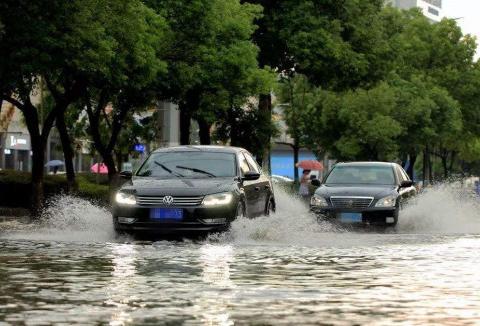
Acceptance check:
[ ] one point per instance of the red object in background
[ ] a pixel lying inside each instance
(310, 165)
(99, 168)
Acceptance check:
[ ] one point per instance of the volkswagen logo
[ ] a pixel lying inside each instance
(350, 203)
(168, 200)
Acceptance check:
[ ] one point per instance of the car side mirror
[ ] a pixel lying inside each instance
(126, 174)
(406, 184)
(316, 183)
(250, 175)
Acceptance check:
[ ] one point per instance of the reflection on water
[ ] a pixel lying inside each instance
(412, 279)
(119, 291)
(218, 295)
(286, 268)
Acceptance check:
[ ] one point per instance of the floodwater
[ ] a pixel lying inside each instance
(283, 269)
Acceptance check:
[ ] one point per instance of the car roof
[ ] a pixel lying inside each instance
(200, 148)
(367, 163)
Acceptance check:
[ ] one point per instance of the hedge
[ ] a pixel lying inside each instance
(16, 190)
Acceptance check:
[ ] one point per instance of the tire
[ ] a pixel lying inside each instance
(269, 207)
(240, 210)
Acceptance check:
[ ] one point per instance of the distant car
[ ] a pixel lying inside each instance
(192, 188)
(363, 192)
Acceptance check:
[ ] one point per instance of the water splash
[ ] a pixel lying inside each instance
(291, 224)
(68, 218)
(445, 208)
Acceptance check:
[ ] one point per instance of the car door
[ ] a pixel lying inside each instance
(262, 184)
(250, 188)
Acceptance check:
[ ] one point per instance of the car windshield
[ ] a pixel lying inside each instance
(361, 174)
(189, 164)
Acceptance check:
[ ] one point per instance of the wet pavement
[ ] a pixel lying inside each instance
(285, 268)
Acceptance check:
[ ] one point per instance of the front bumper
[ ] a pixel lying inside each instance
(371, 215)
(195, 219)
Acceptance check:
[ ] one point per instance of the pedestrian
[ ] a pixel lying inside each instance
(303, 191)
(55, 169)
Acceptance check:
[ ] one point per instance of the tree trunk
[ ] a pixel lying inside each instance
(445, 166)
(119, 158)
(68, 153)
(296, 150)
(426, 172)
(430, 167)
(265, 110)
(411, 167)
(38, 160)
(204, 132)
(185, 121)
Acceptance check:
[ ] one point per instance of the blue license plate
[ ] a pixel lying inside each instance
(351, 217)
(175, 214)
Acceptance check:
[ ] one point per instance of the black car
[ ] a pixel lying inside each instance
(192, 188)
(363, 192)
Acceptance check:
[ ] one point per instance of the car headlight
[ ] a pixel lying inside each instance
(317, 201)
(388, 201)
(218, 199)
(125, 199)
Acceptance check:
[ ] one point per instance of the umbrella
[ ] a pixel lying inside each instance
(99, 168)
(54, 163)
(310, 165)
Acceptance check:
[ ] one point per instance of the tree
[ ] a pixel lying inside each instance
(69, 46)
(140, 37)
(43, 45)
(210, 51)
(296, 94)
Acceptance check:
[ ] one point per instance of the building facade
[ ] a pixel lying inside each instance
(432, 9)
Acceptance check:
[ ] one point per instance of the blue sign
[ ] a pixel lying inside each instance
(139, 148)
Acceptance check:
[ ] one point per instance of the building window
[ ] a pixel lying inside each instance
(436, 3)
(433, 11)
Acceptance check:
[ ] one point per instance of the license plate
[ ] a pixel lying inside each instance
(351, 217)
(175, 214)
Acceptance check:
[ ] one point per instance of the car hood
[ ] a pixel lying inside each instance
(179, 187)
(357, 190)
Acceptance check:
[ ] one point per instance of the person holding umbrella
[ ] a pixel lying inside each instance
(55, 164)
(304, 191)
(307, 166)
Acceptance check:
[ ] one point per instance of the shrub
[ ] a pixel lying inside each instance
(16, 190)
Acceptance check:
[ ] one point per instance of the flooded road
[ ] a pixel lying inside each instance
(286, 268)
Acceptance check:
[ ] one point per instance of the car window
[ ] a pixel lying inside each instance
(362, 174)
(189, 164)
(251, 162)
(404, 174)
(244, 167)
(400, 177)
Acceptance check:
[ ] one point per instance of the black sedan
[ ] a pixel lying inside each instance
(363, 192)
(192, 188)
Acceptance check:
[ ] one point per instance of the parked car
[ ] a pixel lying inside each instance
(192, 188)
(363, 192)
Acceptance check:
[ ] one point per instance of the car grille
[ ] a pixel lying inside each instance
(177, 201)
(351, 202)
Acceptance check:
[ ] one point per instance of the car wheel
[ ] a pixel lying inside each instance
(269, 207)
(240, 210)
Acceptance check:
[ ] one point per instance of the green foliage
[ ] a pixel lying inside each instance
(15, 189)
(98, 193)
(213, 64)
(422, 95)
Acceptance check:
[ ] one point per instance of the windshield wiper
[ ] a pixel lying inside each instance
(196, 170)
(178, 175)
